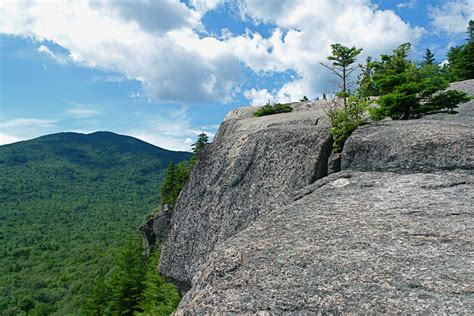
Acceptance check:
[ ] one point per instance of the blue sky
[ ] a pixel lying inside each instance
(164, 71)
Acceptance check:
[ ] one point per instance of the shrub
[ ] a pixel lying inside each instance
(269, 109)
(345, 120)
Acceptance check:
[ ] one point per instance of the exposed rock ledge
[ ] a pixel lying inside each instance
(392, 233)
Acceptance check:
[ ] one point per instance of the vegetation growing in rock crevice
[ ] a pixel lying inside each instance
(346, 119)
(269, 109)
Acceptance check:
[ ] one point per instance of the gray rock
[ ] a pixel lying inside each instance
(156, 228)
(161, 223)
(410, 146)
(253, 166)
(391, 233)
(334, 163)
(354, 242)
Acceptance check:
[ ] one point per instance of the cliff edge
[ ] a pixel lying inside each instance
(261, 228)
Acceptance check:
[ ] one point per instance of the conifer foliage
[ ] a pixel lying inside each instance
(407, 91)
(133, 287)
(461, 58)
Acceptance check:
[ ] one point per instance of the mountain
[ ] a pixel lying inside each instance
(66, 201)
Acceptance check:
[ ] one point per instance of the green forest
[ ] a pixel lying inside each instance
(69, 203)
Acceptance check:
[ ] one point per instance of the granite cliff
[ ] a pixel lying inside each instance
(260, 227)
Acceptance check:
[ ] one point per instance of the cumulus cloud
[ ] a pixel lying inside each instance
(304, 31)
(162, 43)
(452, 17)
(143, 43)
(259, 97)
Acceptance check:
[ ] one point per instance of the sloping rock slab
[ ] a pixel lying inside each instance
(410, 146)
(351, 243)
(242, 174)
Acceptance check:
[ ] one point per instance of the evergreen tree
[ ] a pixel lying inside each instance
(428, 58)
(127, 280)
(158, 297)
(168, 187)
(97, 302)
(343, 58)
(366, 82)
(461, 58)
(409, 92)
(201, 142)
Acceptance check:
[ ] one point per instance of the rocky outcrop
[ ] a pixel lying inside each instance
(393, 232)
(156, 228)
(252, 167)
(410, 146)
(365, 242)
(436, 142)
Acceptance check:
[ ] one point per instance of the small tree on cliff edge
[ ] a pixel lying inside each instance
(343, 59)
(201, 142)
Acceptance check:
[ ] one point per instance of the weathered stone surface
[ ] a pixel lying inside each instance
(436, 142)
(156, 228)
(241, 175)
(363, 242)
(393, 233)
(161, 223)
(410, 146)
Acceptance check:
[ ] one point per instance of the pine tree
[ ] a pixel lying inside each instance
(366, 82)
(343, 58)
(408, 91)
(461, 58)
(158, 297)
(428, 59)
(127, 280)
(201, 142)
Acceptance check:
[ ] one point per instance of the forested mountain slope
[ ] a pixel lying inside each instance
(66, 201)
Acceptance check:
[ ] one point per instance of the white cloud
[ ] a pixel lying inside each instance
(161, 43)
(305, 30)
(28, 122)
(171, 130)
(452, 17)
(59, 58)
(259, 97)
(8, 139)
(407, 5)
(81, 112)
(142, 43)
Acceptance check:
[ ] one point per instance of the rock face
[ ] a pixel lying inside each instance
(252, 167)
(156, 228)
(410, 146)
(436, 142)
(362, 242)
(393, 232)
